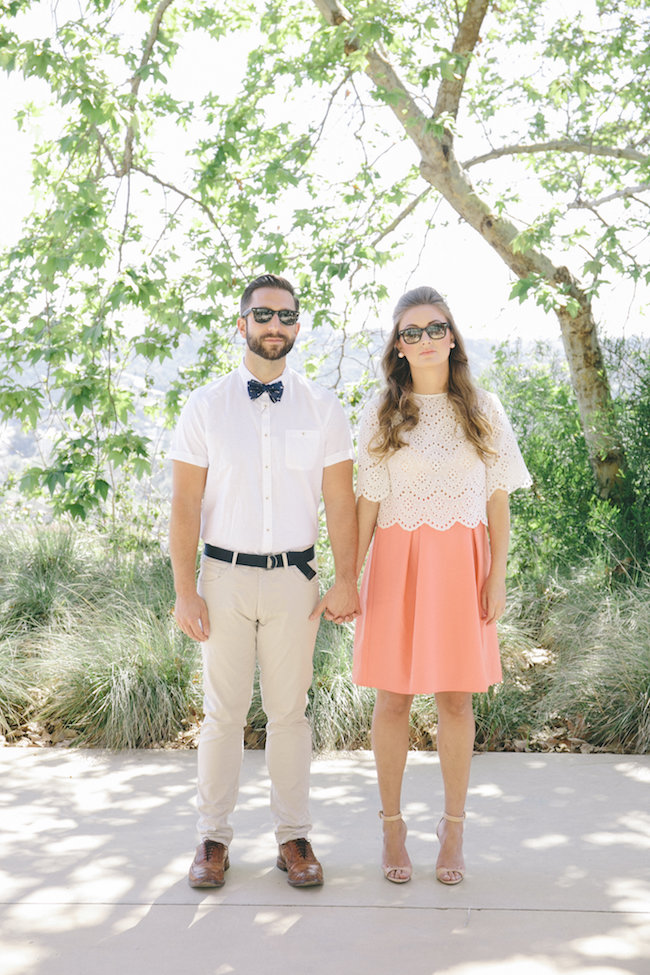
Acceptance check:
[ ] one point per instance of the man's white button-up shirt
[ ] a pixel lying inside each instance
(264, 460)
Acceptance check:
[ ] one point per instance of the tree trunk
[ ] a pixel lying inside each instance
(579, 334)
(442, 170)
(589, 380)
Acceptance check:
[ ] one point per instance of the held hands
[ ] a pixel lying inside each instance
(191, 614)
(493, 598)
(339, 604)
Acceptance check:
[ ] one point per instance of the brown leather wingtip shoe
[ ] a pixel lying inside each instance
(209, 865)
(302, 867)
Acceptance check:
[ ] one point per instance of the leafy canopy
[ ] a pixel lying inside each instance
(157, 198)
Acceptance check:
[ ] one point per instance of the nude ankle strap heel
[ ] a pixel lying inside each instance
(447, 870)
(396, 875)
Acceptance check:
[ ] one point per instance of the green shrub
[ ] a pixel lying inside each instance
(340, 712)
(88, 624)
(88, 650)
(552, 523)
(629, 369)
(125, 680)
(42, 574)
(562, 522)
(17, 693)
(506, 712)
(600, 638)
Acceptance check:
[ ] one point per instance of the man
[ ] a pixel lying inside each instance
(252, 454)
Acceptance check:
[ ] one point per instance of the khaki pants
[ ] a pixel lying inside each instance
(260, 615)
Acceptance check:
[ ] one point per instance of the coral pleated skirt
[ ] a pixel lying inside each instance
(421, 629)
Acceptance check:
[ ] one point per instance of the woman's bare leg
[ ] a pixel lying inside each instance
(456, 730)
(390, 741)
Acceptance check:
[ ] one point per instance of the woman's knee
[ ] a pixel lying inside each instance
(391, 705)
(454, 704)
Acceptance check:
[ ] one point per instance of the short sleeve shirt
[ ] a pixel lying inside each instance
(264, 460)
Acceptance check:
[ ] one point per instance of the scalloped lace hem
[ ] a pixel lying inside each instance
(438, 526)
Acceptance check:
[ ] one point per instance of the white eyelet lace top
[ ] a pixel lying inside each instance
(438, 478)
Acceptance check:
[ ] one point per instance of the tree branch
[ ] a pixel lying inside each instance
(402, 216)
(125, 225)
(628, 191)
(318, 130)
(440, 167)
(385, 78)
(334, 12)
(136, 81)
(560, 145)
(466, 40)
(199, 203)
(608, 226)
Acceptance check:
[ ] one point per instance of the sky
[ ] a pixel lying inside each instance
(455, 259)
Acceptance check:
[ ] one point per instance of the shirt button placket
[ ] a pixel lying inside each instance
(267, 482)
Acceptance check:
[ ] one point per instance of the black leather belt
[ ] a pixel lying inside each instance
(301, 560)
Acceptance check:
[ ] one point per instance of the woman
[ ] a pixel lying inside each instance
(437, 458)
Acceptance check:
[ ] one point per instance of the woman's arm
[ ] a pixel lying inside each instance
(367, 519)
(493, 597)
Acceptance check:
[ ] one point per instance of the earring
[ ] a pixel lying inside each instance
(400, 355)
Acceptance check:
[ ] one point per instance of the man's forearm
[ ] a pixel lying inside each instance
(190, 609)
(184, 530)
(185, 524)
(341, 602)
(338, 495)
(342, 531)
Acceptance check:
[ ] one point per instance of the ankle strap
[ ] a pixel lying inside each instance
(389, 819)
(454, 819)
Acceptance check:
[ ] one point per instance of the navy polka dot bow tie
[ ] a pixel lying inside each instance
(275, 390)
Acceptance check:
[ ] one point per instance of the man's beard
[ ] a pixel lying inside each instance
(257, 346)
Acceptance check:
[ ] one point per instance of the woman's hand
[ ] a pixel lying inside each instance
(493, 597)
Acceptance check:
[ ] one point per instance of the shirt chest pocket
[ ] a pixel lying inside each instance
(302, 449)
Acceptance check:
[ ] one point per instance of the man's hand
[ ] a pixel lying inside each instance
(339, 604)
(191, 614)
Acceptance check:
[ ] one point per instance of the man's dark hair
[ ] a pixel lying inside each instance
(267, 281)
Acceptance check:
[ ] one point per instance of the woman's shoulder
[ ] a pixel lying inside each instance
(488, 401)
(371, 409)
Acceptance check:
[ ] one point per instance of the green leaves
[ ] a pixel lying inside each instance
(77, 480)
(80, 396)
(21, 403)
(523, 286)
(153, 206)
(536, 392)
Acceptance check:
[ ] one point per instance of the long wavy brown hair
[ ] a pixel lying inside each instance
(398, 410)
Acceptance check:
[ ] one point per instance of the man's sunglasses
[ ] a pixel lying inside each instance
(413, 334)
(264, 315)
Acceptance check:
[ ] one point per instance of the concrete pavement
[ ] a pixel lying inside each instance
(95, 847)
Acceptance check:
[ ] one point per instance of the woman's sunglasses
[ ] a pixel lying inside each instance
(413, 334)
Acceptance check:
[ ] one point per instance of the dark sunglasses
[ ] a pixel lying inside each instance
(413, 334)
(264, 315)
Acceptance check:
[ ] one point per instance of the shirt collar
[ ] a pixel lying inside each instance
(246, 374)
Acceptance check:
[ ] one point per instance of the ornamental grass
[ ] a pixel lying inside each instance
(90, 655)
